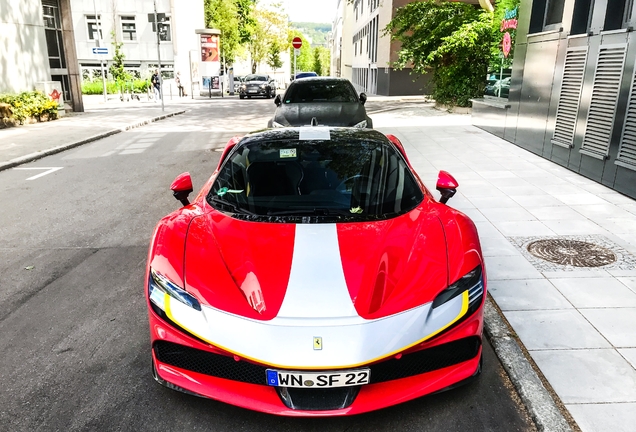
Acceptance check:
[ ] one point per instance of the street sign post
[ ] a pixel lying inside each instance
(297, 43)
(100, 50)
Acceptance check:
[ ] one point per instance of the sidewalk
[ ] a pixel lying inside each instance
(535, 219)
(29, 142)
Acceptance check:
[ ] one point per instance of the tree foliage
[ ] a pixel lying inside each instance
(500, 9)
(273, 57)
(116, 68)
(235, 20)
(271, 27)
(322, 60)
(450, 40)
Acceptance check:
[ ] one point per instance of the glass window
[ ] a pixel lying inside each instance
(91, 25)
(165, 33)
(337, 180)
(128, 28)
(554, 12)
(320, 91)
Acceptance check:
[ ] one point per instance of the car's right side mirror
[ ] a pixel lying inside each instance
(277, 100)
(363, 98)
(446, 185)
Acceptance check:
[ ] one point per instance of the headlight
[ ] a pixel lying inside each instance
(159, 286)
(276, 124)
(361, 125)
(243, 86)
(263, 86)
(472, 281)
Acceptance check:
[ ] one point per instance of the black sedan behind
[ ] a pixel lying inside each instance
(331, 101)
(257, 85)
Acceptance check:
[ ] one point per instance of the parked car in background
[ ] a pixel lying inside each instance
(257, 85)
(238, 80)
(306, 74)
(331, 101)
(499, 88)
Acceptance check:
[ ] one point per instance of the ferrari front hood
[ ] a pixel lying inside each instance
(316, 296)
(365, 270)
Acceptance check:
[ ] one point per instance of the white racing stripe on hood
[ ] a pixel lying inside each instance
(317, 286)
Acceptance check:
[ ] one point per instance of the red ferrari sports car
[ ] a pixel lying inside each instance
(315, 275)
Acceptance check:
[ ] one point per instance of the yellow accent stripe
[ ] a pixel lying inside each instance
(462, 312)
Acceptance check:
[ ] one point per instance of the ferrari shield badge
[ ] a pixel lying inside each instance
(317, 343)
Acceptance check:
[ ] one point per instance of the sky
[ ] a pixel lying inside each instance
(320, 11)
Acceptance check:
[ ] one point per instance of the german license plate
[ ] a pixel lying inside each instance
(279, 378)
(252, 91)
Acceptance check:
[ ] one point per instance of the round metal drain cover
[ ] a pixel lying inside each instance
(572, 252)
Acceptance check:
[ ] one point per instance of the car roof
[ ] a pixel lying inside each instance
(320, 79)
(293, 133)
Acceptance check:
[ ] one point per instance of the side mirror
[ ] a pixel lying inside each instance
(363, 98)
(181, 187)
(446, 185)
(277, 100)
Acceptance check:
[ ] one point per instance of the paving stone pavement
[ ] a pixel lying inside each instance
(578, 324)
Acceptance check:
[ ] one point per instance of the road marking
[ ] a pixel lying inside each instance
(49, 170)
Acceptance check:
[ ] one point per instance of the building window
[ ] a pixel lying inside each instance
(618, 15)
(581, 17)
(128, 28)
(554, 12)
(91, 25)
(165, 33)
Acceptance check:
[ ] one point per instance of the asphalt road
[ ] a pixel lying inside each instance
(74, 339)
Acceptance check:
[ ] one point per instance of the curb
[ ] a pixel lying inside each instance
(541, 407)
(38, 155)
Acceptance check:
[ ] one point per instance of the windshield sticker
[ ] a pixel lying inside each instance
(225, 190)
(356, 210)
(314, 133)
(287, 153)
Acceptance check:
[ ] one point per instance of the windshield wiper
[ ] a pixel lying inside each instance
(311, 211)
(235, 208)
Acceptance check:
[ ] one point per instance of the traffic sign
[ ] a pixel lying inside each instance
(100, 50)
(297, 42)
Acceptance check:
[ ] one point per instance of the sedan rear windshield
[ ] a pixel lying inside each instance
(255, 78)
(320, 91)
(315, 181)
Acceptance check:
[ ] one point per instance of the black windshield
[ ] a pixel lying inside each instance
(331, 180)
(320, 91)
(255, 78)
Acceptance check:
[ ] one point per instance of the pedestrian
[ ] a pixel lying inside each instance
(177, 81)
(156, 84)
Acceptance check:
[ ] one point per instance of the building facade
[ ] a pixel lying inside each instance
(361, 53)
(573, 89)
(37, 46)
(131, 22)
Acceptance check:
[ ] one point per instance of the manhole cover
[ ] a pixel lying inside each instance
(572, 252)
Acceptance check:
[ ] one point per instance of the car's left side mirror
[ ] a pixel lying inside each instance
(278, 101)
(363, 98)
(181, 187)
(446, 185)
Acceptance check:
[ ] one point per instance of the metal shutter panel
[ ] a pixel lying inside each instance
(568, 108)
(607, 82)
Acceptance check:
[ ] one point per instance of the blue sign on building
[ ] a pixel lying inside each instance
(100, 50)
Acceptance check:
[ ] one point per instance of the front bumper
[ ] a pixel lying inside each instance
(200, 368)
(254, 91)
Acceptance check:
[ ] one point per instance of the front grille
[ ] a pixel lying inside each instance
(208, 363)
(427, 360)
(221, 366)
(318, 399)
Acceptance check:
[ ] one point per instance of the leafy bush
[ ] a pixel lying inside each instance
(30, 104)
(451, 40)
(96, 87)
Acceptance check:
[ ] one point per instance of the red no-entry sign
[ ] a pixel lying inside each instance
(297, 42)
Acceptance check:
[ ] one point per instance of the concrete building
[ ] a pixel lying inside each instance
(362, 54)
(129, 22)
(37, 46)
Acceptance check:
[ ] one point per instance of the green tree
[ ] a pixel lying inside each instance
(317, 61)
(270, 28)
(305, 60)
(450, 40)
(116, 68)
(235, 20)
(273, 57)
